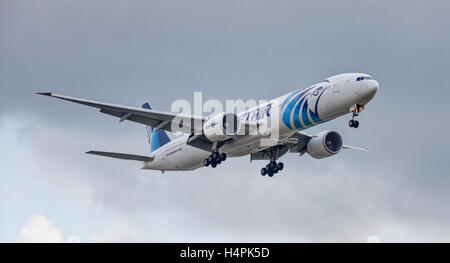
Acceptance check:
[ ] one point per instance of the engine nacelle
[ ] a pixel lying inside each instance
(325, 144)
(222, 126)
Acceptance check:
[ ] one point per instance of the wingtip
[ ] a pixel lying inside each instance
(44, 93)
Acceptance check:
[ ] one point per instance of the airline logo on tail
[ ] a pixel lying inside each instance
(157, 138)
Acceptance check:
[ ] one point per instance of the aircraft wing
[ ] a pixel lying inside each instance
(123, 156)
(299, 140)
(266, 154)
(347, 147)
(159, 119)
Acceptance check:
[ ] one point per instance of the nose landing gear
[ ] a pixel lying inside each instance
(353, 123)
(356, 110)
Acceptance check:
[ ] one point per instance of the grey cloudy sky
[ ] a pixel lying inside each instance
(129, 52)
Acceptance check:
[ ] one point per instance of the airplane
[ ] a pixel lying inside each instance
(209, 141)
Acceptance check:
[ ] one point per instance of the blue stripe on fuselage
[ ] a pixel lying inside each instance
(305, 117)
(287, 112)
(315, 115)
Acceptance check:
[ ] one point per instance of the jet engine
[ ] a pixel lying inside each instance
(324, 144)
(222, 126)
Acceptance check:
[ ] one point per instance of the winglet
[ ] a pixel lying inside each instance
(44, 93)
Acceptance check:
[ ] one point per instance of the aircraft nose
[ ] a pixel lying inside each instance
(367, 91)
(372, 88)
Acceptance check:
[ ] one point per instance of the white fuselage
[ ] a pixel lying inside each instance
(298, 110)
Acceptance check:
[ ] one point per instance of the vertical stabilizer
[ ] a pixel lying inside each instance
(157, 138)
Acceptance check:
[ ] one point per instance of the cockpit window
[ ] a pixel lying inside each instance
(363, 78)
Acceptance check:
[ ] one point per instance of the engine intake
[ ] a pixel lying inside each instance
(325, 144)
(222, 126)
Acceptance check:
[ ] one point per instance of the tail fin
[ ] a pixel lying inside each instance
(156, 138)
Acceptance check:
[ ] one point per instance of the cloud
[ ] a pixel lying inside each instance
(373, 239)
(73, 239)
(40, 230)
(342, 198)
(335, 199)
(117, 233)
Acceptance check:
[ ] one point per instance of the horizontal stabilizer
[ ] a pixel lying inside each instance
(123, 156)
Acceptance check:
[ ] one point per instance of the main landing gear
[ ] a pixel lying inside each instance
(215, 159)
(354, 123)
(273, 167)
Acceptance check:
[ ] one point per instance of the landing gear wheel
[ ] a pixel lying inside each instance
(213, 165)
(280, 166)
(210, 159)
(356, 124)
(270, 173)
(263, 171)
(215, 155)
(218, 161)
(272, 165)
(223, 157)
(351, 123)
(206, 162)
(275, 170)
